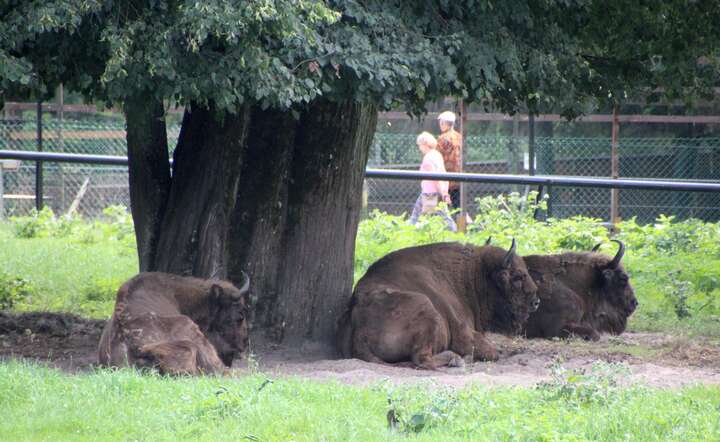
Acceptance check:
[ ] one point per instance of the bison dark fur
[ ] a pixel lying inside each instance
(430, 305)
(581, 294)
(179, 325)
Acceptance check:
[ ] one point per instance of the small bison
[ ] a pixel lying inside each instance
(430, 305)
(179, 325)
(582, 294)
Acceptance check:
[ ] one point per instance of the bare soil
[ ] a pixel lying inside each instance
(70, 342)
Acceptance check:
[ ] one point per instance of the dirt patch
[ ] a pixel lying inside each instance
(70, 343)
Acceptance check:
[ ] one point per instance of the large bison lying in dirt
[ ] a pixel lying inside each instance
(430, 304)
(582, 294)
(179, 325)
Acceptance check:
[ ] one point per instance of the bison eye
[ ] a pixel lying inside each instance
(519, 278)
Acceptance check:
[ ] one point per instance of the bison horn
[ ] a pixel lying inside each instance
(246, 285)
(618, 256)
(488, 241)
(597, 247)
(510, 255)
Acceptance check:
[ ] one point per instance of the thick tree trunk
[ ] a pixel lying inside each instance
(206, 170)
(149, 171)
(297, 214)
(280, 200)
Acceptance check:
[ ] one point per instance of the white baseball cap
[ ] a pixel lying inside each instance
(447, 116)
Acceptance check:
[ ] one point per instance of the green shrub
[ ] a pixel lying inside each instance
(13, 291)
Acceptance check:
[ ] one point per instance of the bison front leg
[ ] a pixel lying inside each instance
(574, 329)
(483, 350)
(181, 357)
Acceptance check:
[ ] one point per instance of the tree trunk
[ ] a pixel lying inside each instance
(206, 171)
(149, 171)
(297, 214)
(280, 201)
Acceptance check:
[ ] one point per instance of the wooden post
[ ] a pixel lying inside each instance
(61, 143)
(462, 220)
(614, 168)
(39, 164)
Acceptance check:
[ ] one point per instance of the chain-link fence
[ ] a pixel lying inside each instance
(661, 158)
(92, 188)
(88, 188)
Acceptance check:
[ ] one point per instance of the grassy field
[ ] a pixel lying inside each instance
(42, 404)
(72, 265)
(77, 266)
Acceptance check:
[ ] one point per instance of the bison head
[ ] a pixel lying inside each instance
(517, 289)
(228, 328)
(615, 282)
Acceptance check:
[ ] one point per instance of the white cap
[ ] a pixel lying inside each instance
(447, 116)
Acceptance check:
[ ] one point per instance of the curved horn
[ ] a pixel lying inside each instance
(618, 256)
(488, 241)
(246, 285)
(597, 247)
(510, 254)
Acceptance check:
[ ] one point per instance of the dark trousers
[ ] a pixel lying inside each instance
(455, 197)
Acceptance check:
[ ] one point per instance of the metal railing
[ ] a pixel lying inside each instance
(546, 181)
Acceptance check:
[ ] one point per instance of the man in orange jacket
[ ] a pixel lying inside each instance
(449, 143)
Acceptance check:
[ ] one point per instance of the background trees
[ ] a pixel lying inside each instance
(281, 100)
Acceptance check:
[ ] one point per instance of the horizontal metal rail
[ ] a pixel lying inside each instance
(539, 180)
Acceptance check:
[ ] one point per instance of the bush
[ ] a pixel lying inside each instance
(13, 291)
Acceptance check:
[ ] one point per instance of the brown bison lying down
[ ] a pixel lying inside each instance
(176, 324)
(581, 294)
(430, 304)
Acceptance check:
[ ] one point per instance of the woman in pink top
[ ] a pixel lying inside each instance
(432, 192)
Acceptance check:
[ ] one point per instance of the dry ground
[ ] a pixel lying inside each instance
(69, 342)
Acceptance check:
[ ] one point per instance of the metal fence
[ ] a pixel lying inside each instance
(660, 158)
(91, 187)
(670, 158)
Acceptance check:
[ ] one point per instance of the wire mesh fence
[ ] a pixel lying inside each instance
(92, 188)
(666, 158)
(89, 189)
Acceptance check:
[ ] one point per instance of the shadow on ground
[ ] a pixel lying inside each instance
(69, 342)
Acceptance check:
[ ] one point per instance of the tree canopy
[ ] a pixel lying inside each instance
(282, 53)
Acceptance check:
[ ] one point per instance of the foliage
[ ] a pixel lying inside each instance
(600, 384)
(42, 403)
(283, 53)
(13, 291)
(117, 226)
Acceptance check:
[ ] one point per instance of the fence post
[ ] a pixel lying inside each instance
(546, 159)
(462, 221)
(614, 168)
(39, 164)
(2, 193)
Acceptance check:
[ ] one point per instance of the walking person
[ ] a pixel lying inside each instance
(432, 192)
(450, 146)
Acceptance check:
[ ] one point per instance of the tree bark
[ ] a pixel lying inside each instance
(149, 171)
(297, 214)
(206, 172)
(275, 196)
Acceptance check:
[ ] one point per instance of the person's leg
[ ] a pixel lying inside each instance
(417, 210)
(455, 197)
(452, 226)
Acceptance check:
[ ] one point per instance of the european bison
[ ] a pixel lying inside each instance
(179, 325)
(430, 304)
(582, 294)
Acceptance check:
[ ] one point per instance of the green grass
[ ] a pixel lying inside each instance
(44, 404)
(65, 273)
